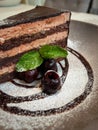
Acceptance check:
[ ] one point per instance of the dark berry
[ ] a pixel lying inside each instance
(51, 82)
(20, 75)
(48, 64)
(31, 75)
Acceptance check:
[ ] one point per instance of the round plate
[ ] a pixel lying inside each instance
(83, 38)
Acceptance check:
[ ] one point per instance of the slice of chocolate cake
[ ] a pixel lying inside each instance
(28, 31)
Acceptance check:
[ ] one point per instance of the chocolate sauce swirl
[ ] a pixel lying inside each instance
(4, 98)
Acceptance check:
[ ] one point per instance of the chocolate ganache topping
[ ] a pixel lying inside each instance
(39, 13)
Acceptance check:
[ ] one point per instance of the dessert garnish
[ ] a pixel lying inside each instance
(28, 76)
(29, 61)
(52, 51)
(42, 61)
(48, 64)
(51, 82)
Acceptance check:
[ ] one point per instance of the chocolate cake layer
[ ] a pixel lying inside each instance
(39, 13)
(34, 44)
(7, 77)
(24, 39)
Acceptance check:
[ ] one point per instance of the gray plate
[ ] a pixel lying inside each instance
(84, 39)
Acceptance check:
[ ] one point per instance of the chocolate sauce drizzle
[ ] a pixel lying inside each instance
(4, 98)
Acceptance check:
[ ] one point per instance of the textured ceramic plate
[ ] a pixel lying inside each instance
(70, 106)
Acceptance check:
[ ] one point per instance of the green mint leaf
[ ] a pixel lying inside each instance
(29, 61)
(52, 51)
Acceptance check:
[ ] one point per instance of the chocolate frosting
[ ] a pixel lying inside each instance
(38, 13)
